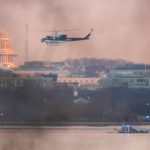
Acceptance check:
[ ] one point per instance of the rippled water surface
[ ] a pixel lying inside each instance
(71, 138)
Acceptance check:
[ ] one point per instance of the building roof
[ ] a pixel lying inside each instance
(3, 33)
(134, 67)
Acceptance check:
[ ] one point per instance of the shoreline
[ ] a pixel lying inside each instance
(67, 124)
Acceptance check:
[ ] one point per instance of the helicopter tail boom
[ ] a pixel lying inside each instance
(87, 36)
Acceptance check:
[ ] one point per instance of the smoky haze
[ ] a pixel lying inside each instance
(121, 28)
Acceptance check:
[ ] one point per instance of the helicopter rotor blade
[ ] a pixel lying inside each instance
(42, 30)
(56, 31)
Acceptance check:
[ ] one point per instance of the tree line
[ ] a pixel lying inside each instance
(35, 104)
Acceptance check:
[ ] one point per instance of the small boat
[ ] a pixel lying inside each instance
(131, 129)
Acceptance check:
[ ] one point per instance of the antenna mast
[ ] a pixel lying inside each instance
(26, 44)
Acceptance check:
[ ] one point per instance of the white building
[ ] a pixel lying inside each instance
(6, 53)
(91, 82)
(126, 78)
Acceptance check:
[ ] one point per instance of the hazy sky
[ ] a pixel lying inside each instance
(121, 28)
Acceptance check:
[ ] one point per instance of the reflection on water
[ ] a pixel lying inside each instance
(71, 138)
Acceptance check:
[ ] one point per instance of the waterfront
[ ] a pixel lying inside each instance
(70, 138)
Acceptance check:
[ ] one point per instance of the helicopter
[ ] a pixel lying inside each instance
(59, 37)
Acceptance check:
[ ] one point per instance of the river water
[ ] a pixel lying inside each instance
(70, 138)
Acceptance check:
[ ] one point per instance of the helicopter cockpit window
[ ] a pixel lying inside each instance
(49, 37)
(63, 36)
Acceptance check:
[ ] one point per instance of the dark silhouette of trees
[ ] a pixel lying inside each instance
(34, 104)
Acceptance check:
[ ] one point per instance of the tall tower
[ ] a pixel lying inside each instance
(6, 53)
(26, 44)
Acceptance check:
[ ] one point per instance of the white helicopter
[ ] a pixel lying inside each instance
(59, 37)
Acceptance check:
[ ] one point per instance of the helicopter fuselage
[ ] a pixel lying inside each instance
(61, 38)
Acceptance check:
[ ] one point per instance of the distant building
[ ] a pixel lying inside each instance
(33, 64)
(39, 67)
(126, 78)
(6, 53)
(9, 80)
(90, 83)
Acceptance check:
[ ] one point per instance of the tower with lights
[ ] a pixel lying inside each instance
(6, 53)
